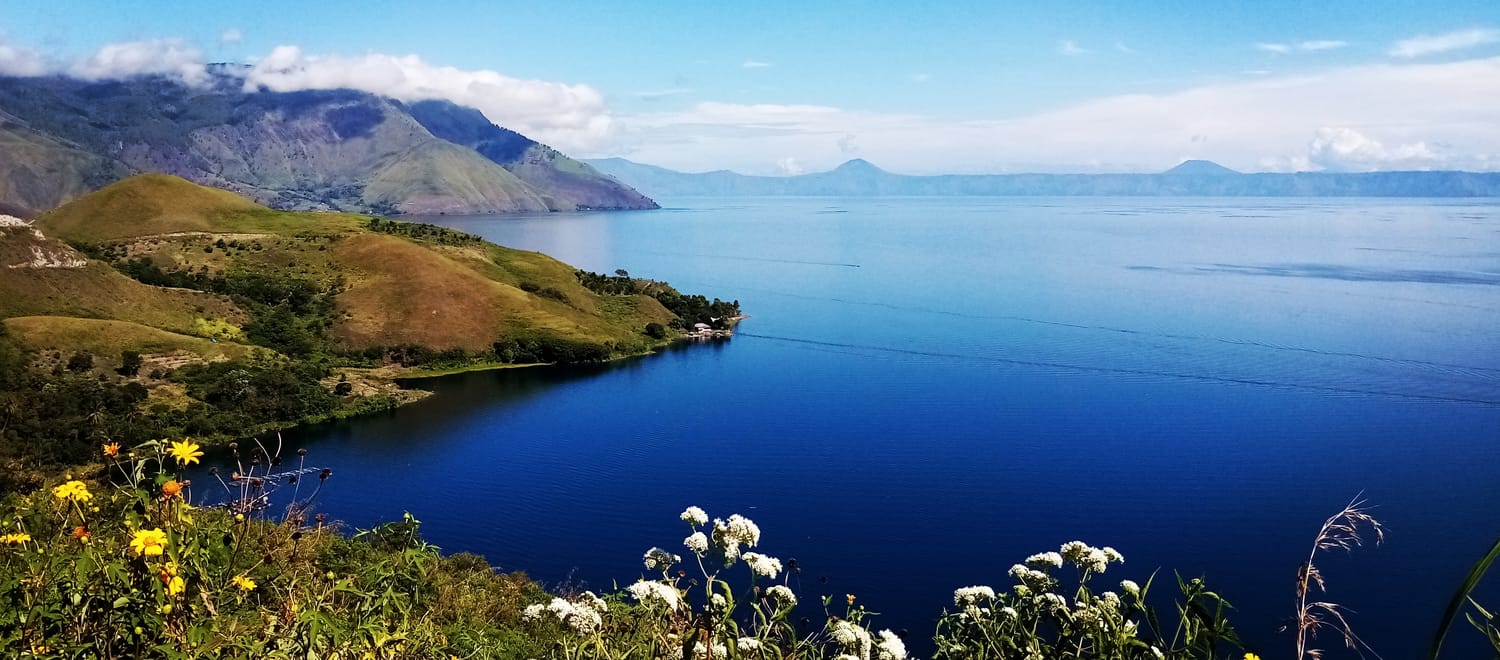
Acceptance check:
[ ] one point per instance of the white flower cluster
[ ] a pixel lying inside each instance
(1130, 587)
(701, 651)
(852, 638)
(584, 617)
(762, 565)
(694, 516)
(1111, 600)
(1045, 560)
(697, 543)
(1030, 577)
(1010, 612)
(747, 643)
(969, 596)
(648, 591)
(1087, 557)
(782, 595)
(730, 534)
(658, 558)
(890, 647)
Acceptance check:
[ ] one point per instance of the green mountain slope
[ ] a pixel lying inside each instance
(568, 182)
(386, 287)
(309, 150)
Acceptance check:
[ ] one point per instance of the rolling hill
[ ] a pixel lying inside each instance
(386, 288)
(309, 150)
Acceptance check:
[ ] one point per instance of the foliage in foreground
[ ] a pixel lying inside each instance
(130, 569)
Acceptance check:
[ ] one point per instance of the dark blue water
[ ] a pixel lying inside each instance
(931, 389)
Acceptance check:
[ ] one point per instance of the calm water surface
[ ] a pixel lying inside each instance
(931, 389)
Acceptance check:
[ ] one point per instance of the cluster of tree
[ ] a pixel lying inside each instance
(425, 232)
(549, 350)
(53, 419)
(689, 309)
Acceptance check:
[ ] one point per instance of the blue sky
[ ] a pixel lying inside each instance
(779, 87)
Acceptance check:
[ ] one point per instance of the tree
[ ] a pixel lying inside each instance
(81, 361)
(130, 363)
(656, 331)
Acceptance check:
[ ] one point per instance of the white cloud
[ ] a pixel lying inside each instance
(1341, 149)
(755, 64)
(22, 61)
(1425, 44)
(569, 117)
(1249, 124)
(1322, 44)
(167, 57)
(231, 36)
(1120, 46)
(1307, 46)
(1071, 48)
(789, 166)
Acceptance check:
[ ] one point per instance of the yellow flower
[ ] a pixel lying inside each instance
(149, 542)
(112, 449)
(244, 583)
(186, 452)
(850, 598)
(1251, 656)
(16, 538)
(73, 490)
(175, 586)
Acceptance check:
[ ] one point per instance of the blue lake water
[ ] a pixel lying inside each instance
(929, 390)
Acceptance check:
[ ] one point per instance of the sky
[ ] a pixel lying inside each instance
(922, 88)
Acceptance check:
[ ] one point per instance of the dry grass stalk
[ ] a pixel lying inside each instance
(1346, 530)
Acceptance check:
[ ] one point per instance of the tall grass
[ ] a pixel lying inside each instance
(1346, 530)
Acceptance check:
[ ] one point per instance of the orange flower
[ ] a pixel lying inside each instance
(171, 489)
(850, 598)
(80, 532)
(112, 449)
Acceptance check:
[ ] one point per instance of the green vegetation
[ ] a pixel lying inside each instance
(688, 309)
(125, 568)
(129, 570)
(122, 567)
(182, 310)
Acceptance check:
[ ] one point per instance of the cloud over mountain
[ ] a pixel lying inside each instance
(570, 117)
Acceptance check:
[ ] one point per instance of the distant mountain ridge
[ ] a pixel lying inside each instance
(857, 178)
(310, 150)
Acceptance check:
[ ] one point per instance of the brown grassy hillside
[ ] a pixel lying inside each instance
(388, 289)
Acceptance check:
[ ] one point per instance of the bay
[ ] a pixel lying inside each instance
(930, 389)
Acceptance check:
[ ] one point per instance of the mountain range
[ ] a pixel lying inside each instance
(858, 177)
(339, 150)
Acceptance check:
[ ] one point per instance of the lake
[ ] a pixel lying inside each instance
(930, 389)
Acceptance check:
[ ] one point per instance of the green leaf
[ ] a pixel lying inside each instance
(1460, 596)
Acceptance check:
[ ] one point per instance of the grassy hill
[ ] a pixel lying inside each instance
(387, 286)
(185, 310)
